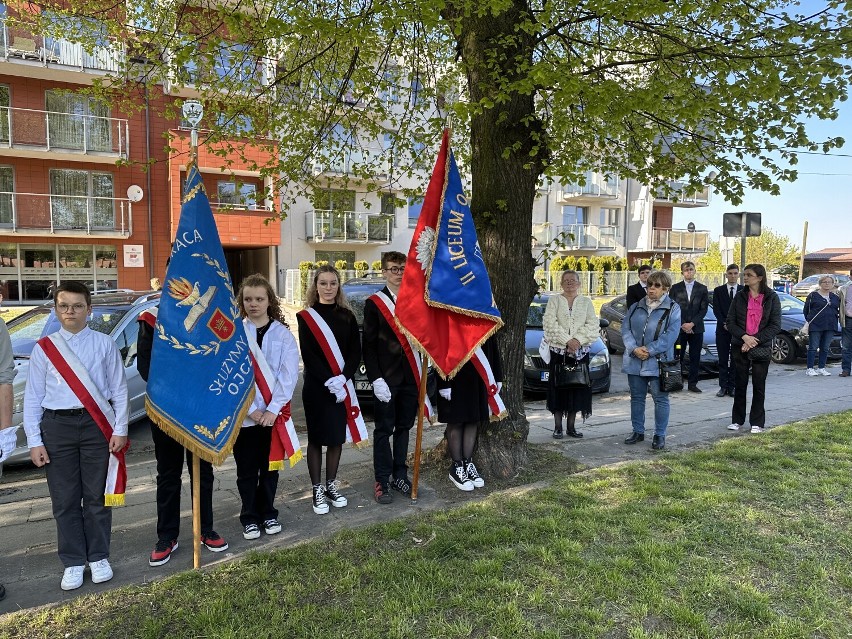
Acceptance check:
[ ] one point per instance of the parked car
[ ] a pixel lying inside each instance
(811, 283)
(357, 291)
(536, 373)
(787, 346)
(116, 315)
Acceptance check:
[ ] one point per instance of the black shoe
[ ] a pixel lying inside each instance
(659, 443)
(382, 493)
(2, 592)
(694, 388)
(557, 434)
(731, 392)
(722, 392)
(635, 438)
(575, 434)
(402, 485)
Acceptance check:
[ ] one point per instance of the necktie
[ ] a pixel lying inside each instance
(732, 292)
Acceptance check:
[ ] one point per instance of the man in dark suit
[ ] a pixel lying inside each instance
(722, 297)
(693, 299)
(637, 291)
(394, 384)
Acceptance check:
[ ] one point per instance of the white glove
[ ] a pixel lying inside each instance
(8, 442)
(335, 384)
(499, 386)
(340, 395)
(381, 390)
(446, 393)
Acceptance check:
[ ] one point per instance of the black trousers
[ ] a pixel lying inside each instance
(759, 370)
(393, 420)
(170, 459)
(727, 375)
(695, 341)
(76, 479)
(255, 482)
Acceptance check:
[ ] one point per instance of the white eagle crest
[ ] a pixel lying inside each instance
(425, 244)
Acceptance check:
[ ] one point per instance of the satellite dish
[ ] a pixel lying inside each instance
(134, 193)
(691, 227)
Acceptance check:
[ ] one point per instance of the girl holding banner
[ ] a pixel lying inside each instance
(331, 353)
(267, 435)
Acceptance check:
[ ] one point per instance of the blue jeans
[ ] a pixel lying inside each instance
(638, 390)
(846, 342)
(822, 341)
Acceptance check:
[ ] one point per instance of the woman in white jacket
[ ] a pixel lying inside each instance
(256, 483)
(570, 327)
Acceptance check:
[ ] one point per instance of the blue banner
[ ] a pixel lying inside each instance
(201, 381)
(457, 278)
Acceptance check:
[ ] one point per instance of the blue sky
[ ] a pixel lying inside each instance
(822, 195)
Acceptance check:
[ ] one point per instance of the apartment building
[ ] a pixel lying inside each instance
(76, 202)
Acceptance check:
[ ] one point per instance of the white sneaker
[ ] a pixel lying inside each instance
(101, 571)
(734, 427)
(72, 578)
(755, 430)
(822, 371)
(811, 372)
(458, 475)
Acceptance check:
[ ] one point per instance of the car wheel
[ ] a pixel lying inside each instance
(783, 349)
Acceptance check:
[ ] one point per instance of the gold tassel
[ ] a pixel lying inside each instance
(113, 500)
(296, 458)
(276, 465)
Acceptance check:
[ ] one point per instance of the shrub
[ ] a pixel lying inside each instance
(361, 267)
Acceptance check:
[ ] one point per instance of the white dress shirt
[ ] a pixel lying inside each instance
(689, 286)
(282, 354)
(46, 389)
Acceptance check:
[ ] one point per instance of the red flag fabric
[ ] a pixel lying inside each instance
(450, 315)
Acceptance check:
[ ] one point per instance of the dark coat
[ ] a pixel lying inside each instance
(722, 304)
(383, 354)
(469, 400)
(635, 292)
(819, 317)
(694, 309)
(770, 322)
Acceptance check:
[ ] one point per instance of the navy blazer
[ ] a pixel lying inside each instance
(691, 310)
(722, 304)
(635, 292)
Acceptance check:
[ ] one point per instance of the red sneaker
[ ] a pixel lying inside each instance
(213, 541)
(162, 552)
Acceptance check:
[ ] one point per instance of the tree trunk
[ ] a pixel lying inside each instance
(504, 169)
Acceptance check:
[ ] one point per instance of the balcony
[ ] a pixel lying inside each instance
(35, 50)
(348, 226)
(587, 237)
(680, 241)
(39, 214)
(686, 199)
(32, 133)
(597, 187)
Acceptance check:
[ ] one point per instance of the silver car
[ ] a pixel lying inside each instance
(113, 314)
(811, 283)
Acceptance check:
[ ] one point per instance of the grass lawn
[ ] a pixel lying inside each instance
(749, 538)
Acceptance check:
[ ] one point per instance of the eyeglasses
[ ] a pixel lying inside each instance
(396, 270)
(64, 308)
(655, 285)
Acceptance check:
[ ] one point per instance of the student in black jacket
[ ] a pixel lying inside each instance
(637, 291)
(693, 299)
(722, 296)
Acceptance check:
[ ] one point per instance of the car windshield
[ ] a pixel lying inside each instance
(30, 327)
(791, 305)
(536, 312)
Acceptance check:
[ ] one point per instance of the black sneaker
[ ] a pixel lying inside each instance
(320, 503)
(458, 475)
(473, 474)
(272, 526)
(332, 493)
(213, 542)
(162, 552)
(382, 493)
(402, 485)
(251, 531)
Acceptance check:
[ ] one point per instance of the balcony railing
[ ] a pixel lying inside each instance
(684, 197)
(348, 226)
(19, 43)
(588, 236)
(597, 186)
(48, 130)
(680, 241)
(64, 214)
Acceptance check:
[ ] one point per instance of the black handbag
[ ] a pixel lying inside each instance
(760, 353)
(572, 373)
(670, 372)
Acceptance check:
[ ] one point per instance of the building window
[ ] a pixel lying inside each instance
(416, 89)
(333, 256)
(237, 194)
(388, 204)
(81, 199)
(415, 205)
(7, 188)
(77, 122)
(5, 112)
(575, 215)
(390, 88)
(611, 217)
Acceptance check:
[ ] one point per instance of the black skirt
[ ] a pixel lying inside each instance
(567, 400)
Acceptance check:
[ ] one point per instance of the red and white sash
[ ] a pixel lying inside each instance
(285, 441)
(387, 308)
(483, 367)
(149, 316)
(77, 378)
(356, 430)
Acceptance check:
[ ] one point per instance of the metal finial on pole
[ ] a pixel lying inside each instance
(193, 111)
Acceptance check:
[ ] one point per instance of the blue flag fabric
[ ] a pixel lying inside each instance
(457, 279)
(201, 381)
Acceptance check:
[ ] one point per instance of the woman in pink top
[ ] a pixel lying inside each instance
(754, 320)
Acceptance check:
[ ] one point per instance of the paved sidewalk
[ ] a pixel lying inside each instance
(31, 570)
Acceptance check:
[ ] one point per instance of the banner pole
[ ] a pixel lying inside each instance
(196, 511)
(419, 438)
